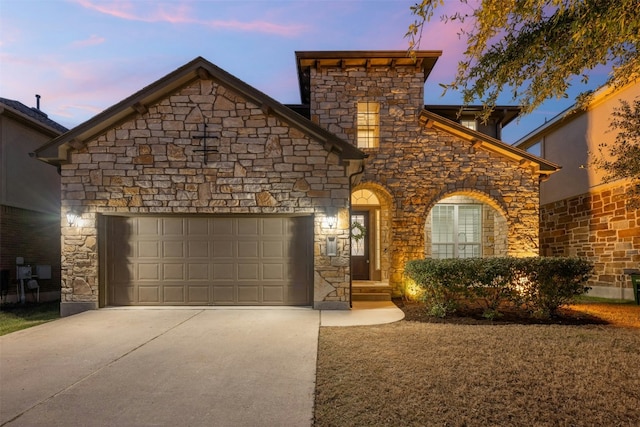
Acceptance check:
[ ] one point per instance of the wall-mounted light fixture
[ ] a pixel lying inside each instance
(331, 217)
(72, 217)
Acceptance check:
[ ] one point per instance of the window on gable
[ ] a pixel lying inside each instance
(456, 231)
(469, 123)
(368, 122)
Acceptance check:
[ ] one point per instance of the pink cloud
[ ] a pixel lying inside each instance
(180, 13)
(91, 41)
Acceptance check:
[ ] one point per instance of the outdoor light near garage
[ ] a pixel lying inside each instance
(72, 217)
(331, 217)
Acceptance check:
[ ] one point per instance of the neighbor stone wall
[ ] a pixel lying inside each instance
(149, 165)
(419, 166)
(600, 227)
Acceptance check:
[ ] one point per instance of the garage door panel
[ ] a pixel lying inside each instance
(173, 226)
(198, 272)
(198, 249)
(149, 294)
(222, 249)
(146, 249)
(273, 272)
(273, 294)
(223, 272)
(173, 249)
(198, 226)
(248, 226)
(273, 227)
(248, 271)
(223, 227)
(147, 272)
(173, 272)
(224, 294)
(248, 294)
(273, 249)
(199, 294)
(215, 260)
(147, 226)
(248, 249)
(173, 294)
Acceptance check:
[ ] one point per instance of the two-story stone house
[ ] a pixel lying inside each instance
(200, 189)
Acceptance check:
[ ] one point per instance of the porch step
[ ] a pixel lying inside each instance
(371, 291)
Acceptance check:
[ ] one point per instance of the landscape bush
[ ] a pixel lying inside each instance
(536, 285)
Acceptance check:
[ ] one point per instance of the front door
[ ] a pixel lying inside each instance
(360, 245)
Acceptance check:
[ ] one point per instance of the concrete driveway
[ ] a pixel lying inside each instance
(147, 367)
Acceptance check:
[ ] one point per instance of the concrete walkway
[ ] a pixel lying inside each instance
(181, 366)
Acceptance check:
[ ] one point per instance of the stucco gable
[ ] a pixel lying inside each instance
(55, 152)
(482, 141)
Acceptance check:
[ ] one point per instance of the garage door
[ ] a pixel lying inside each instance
(209, 261)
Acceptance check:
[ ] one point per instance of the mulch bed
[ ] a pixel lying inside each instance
(472, 315)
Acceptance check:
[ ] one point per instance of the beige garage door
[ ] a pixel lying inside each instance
(209, 261)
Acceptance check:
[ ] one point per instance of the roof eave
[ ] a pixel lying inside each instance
(56, 150)
(538, 165)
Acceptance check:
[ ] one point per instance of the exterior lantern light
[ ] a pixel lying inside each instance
(331, 218)
(72, 217)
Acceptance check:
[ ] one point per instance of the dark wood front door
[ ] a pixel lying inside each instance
(360, 245)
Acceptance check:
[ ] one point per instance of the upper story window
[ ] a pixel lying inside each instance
(469, 123)
(368, 124)
(536, 149)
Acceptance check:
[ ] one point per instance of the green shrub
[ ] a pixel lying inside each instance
(552, 282)
(539, 285)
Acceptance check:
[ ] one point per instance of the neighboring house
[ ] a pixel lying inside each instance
(200, 189)
(581, 215)
(30, 201)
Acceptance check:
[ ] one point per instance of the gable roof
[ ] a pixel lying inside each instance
(571, 113)
(502, 114)
(55, 151)
(31, 115)
(479, 139)
(424, 60)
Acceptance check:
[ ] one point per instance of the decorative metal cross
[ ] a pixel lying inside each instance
(205, 150)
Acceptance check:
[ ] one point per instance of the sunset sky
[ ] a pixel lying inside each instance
(83, 56)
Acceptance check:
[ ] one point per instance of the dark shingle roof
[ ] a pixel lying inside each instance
(33, 113)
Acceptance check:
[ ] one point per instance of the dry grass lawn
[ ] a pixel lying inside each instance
(450, 374)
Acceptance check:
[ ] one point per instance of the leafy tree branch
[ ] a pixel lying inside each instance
(532, 48)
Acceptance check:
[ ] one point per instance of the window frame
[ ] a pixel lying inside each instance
(367, 124)
(450, 240)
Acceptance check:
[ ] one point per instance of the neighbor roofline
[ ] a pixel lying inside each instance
(571, 113)
(28, 120)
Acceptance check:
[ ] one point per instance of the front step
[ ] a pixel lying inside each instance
(371, 291)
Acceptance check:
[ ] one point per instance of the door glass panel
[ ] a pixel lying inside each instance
(357, 235)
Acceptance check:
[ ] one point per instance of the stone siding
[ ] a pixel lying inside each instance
(149, 165)
(418, 166)
(597, 226)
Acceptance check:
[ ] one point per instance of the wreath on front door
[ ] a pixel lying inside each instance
(358, 231)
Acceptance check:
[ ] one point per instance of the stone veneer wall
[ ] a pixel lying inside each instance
(600, 227)
(147, 165)
(419, 166)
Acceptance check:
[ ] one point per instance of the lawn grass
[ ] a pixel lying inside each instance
(14, 317)
(413, 373)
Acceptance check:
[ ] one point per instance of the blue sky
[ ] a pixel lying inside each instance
(83, 56)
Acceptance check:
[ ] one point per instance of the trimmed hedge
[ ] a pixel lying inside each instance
(537, 285)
